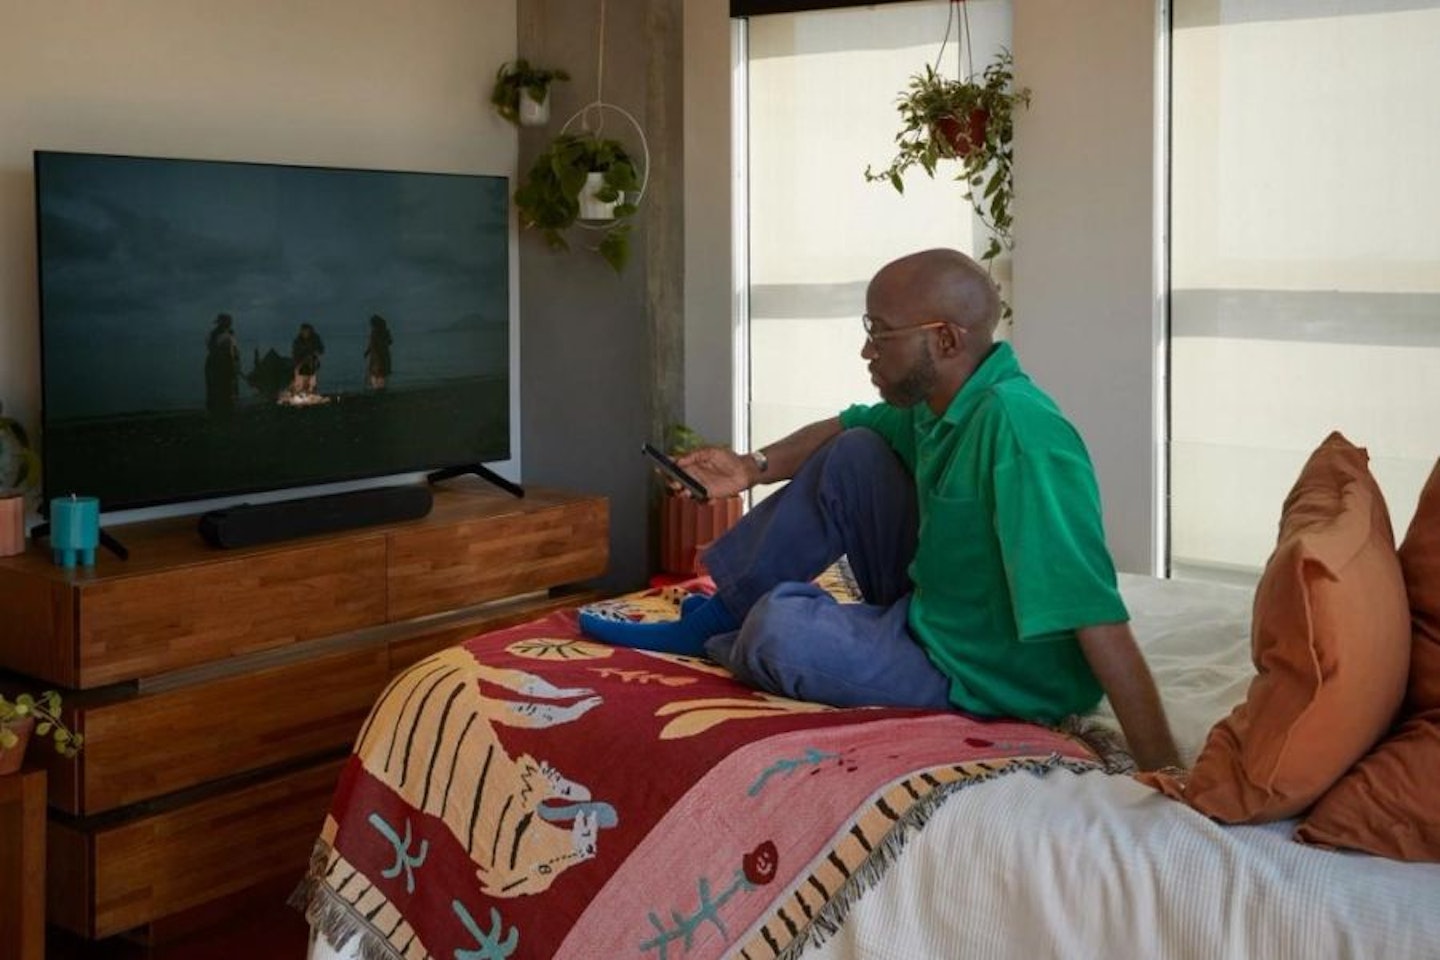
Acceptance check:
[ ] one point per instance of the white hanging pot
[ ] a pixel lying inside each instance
(533, 112)
(591, 208)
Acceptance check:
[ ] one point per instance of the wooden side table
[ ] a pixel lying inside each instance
(22, 865)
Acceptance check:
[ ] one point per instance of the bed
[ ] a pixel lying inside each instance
(532, 794)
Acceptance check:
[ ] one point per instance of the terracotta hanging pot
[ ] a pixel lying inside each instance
(957, 139)
(12, 757)
(688, 525)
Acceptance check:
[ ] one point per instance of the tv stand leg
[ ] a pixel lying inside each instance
(114, 546)
(481, 471)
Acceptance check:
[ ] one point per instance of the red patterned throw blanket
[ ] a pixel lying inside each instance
(533, 794)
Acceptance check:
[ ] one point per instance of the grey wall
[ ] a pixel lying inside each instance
(709, 179)
(601, 355)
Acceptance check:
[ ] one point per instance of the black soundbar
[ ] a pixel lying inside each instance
(249, 524)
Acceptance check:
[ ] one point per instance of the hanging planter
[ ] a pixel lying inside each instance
(931, 130)
(582, 177)
(534, 111)
(587, 180)
(522, 93)
(957, 138)
(969, 121)
(592, 207)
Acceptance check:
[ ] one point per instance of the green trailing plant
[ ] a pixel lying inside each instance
(548, 199)
(45, 711)
(517, 76)
(969, 121)
(683, 440)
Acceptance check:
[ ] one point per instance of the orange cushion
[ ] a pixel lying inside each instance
(1390, 803)
(1330, 639)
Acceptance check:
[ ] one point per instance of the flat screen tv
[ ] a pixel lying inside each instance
(215, 328)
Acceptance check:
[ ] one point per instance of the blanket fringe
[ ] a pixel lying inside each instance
(832, 915)
(1103, 739)
(333, 917)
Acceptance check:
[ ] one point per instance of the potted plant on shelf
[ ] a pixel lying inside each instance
(687, 525)
(522, 92)
(581, 177)
(26, 714)
(972, 122)
(19, 473)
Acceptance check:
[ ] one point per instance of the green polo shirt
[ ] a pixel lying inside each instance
(1012, 556)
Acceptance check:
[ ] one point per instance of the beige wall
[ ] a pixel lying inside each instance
(1086, 287)
(360, 83)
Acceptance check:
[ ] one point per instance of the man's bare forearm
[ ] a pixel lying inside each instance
(1117, 663)
(786, 455)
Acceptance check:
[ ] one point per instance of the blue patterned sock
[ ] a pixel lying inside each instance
(698, 622)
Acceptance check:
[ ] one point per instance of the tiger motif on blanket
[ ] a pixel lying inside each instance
(431, 738)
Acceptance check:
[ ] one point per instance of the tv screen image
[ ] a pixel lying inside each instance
(214, 328)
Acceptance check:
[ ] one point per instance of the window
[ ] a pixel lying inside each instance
(1305, 260)
(821, 107)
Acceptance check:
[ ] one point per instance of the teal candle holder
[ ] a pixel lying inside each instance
(74, 530)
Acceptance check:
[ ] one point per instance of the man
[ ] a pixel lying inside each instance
(968, 509)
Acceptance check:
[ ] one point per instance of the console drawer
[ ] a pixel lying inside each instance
(139, 626)
(442, 566)
(110, 878)
(153, 744)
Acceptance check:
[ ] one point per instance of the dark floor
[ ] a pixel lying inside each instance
(271, 930)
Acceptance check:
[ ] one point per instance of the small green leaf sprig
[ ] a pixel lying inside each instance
(45, 709)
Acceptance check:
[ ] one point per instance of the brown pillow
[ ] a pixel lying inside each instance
(1330, 639)
(1388, 804)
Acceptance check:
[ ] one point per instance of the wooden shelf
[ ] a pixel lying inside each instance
(218, 690)
(22, 865)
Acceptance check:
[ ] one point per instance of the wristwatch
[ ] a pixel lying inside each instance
(762, 462)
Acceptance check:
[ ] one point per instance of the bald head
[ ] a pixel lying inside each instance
(944, 285)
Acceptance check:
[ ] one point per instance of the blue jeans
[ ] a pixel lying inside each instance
(852, 498)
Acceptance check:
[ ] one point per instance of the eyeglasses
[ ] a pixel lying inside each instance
(876, 336)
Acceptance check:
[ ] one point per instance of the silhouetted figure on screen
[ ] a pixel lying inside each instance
(377, 353)
(305, 354)
(222, 366)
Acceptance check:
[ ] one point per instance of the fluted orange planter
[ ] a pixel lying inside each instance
(687, 525)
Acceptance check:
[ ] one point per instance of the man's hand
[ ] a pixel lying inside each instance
(725, 472)
(721, 471)
(1116, 661)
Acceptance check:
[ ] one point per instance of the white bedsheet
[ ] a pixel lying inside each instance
(1099, 866)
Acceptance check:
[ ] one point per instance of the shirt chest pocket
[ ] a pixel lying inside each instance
(958, 556)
